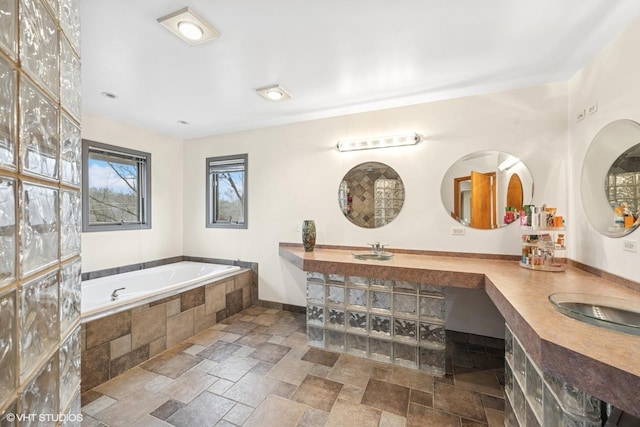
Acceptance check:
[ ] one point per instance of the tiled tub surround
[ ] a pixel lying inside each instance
(120, 341)
(138, 287)
(39, 192)
(385, 320)
(600, 362)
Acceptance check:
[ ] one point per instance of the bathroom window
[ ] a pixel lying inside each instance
(116, 188)
(227, 191)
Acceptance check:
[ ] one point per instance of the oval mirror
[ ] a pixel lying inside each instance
(486, 189)
(612, 163)
(371, 195)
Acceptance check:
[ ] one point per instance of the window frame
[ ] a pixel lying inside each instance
(210, 206)
(143, 181)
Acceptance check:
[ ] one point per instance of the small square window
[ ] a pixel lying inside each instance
(227, 191)
(116, 188)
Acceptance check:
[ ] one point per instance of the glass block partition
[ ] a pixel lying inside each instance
(534, 398)
(40, 171)
(385, 320)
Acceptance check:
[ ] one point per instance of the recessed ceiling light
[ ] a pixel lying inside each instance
(190, 30)
(274, 93)
(190, 27)
(109, 95)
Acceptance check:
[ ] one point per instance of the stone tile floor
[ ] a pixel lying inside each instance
(255, 369)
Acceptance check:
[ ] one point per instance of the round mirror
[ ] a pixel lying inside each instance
(371, 195)
(486, 189)
(612, 163)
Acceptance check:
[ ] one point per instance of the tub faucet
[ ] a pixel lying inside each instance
(114, 294)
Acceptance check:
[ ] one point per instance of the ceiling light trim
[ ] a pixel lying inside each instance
(184, 16)
(274, 93)
(398, 140)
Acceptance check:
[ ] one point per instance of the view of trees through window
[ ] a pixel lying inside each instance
(230, 197)
(114, 189)
(227, 191)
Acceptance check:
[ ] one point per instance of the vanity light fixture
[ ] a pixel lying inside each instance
(190, 27)
(274, 93)
(378, 142)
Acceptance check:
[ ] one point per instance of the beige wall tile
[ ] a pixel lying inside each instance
(191, 298)
(180, 327)
(108, 328)
(230, 285)
(215, 298)
(158, 346)
(120, 346)
(246, 297)
(201, 319)
(148, 325)
(139, 308)
(244, 279)
(173, 307)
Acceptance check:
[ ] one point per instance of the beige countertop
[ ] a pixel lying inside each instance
(604, 363)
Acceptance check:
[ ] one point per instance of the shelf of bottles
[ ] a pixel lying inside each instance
(536, 399)
(539, 247)
(384, 320)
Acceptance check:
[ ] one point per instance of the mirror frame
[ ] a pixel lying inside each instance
(606, 147)
(458, 173)
(349, 203)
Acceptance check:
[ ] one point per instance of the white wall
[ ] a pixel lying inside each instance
(612, 80)
(295, 171)
(117, 248)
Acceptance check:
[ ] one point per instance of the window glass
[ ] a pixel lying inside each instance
(116, 188)
(227, 191)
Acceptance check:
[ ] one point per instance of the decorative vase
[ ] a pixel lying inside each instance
(309, 235)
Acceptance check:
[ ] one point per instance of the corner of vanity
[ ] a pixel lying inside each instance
(558, 367)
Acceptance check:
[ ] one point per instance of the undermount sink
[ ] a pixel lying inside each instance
(598, 310)
(380, 256)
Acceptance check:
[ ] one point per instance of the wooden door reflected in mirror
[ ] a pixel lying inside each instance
(481, 187)
(514, 193)
(475, 199)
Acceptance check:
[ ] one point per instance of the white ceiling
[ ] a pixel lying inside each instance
(334, 56)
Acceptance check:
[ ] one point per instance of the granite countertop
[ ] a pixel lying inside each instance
(603, 363)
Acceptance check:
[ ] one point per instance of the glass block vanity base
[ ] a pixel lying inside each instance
(535, 399)
(384, 320)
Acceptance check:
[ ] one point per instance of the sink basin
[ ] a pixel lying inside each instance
(598, 310)
(380, 256)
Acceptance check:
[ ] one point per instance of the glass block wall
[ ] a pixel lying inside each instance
(536, 399)
(40, 169)
(385, 320)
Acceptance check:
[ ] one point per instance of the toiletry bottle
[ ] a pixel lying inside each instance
(535, 217)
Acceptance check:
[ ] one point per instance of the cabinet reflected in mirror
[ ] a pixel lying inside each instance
(486, 189)
(371, 195)
(614, 211)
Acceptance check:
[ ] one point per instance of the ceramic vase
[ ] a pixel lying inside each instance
(309, 235)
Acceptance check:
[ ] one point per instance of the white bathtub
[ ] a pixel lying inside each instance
(142, 286)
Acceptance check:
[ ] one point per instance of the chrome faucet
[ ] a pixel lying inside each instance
(376, 247)
(114, 294)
